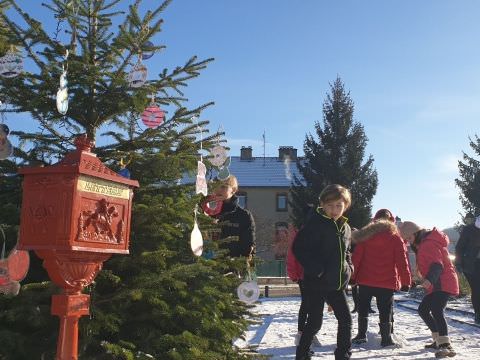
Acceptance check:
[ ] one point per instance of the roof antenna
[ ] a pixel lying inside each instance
(263, 147)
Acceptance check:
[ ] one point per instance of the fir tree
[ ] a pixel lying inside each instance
(469, 179)
(336, 158)
(159, 301)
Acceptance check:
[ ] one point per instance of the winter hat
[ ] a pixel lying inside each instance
(408, 228)
(384, 214)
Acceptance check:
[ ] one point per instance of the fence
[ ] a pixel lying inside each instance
(271, 268)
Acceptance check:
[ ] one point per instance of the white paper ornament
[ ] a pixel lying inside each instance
(138, 75)
(196, 240)
(218, 155)
(62, 94)
(201, 183)
(248, 292)
(11, 64)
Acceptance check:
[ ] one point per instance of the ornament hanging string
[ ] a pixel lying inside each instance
(4, 241)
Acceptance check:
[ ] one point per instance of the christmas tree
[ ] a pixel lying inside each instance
(160, 301)
(469, 179)
(336, 158)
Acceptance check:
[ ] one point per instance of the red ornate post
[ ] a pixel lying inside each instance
(75, 215)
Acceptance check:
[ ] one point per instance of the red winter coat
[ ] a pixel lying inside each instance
(294, 269)
(431, 250)
(380, 256)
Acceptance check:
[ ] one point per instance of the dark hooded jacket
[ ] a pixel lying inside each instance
(380, 256)
(467, 250)
(322, 248)
(238, 228)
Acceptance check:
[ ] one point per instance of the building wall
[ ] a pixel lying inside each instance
(262, 202)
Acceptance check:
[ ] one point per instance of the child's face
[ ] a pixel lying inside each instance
(334, 208)
(224, 192)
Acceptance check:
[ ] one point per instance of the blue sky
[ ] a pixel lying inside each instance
(412, 69)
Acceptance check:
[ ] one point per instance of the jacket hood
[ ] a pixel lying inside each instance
(437, 237)
(372, 229)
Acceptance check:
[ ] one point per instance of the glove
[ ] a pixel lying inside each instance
(405, 288)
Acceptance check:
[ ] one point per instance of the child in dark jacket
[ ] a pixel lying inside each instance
(439, 279)
(236, 223)
(321, 247)
(381, 267)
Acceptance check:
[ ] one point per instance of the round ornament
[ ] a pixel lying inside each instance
(149, 51)
(138, 75)
(153, 116)
(196, 240)
(18, 264)
(211, 206)
(11, 64)
(218, 155)
(6, 148)
(248, 292)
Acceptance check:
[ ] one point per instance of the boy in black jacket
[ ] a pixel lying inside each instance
(235, 221)
(321, 247)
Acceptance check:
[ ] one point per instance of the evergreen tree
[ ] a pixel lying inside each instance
(469, 179)
(159, 302)
(336, 158)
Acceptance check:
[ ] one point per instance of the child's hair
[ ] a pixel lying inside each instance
(336, 192)
(384, 214)
(231, 181)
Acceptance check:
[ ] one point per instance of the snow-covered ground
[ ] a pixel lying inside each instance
(277, 325)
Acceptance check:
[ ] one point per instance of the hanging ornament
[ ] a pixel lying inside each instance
(11, 64)
(138, 75)
(218, 155)
(211, 205)
(248, 292)
(12, 269)
(62, 93)
(196, 239)
(201, 183)
(149, 50)
(6, 148)
(123, 169)
(223, 171)
(153, 116)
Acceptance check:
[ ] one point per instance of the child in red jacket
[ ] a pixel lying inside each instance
(439, 279)
(380, 267)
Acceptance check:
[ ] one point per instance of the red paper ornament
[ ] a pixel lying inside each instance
(211, 205)
(18, 264)
(153, 116)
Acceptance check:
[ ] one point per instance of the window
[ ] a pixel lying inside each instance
(282, 202)
(242, 199)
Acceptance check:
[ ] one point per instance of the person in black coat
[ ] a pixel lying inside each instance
(237, 224)
(467, 260)
(322, 248)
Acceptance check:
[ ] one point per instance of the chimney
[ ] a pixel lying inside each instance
(246, 153)
(284, 151)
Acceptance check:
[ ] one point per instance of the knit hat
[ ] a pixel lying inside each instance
(384, 214)
(408, 228)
